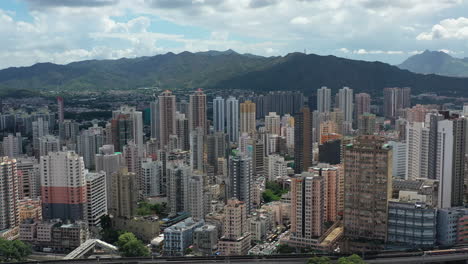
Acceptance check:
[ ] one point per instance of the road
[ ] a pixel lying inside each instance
(405, 260)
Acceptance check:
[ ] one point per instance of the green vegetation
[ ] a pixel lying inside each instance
(13, 250)
(319, 260)
(159, 209)
(130, 246)
(273, 192)
(227, 71)
(353, 259)
(285, 249)
(108, 233)
(436, 62)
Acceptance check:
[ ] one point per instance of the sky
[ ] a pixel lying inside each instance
(63, 31)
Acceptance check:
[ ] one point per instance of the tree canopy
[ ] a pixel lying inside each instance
(130, 246)
(13, 250)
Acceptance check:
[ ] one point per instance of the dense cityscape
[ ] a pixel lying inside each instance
(234, 175)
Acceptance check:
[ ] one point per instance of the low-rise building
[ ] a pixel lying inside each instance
(450, 225)
(412, 224)
(54, 235)
(178, 237)
(205, 239)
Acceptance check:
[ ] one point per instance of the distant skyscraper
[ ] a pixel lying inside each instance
(303, 140)
(368, 187)
(13, 145)
(182, 131)
(9, 202)
(219, 116)
(197, 148)
(88, 144)
(63, 185)
(232, 119)
(216, 147)
(151, 174)
(366, 124)
(395, 99)
(48, 144)
(345, 103)
(60, 109)
(273, 124)
(167, 116)
(417, 138)
(127, 124)
(155, 122)
(323, 99)
(241, 179)
(197, 111)
(247, 117)
(362, 101)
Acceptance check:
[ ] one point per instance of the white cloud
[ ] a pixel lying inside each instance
(447, 29)
(300, 20)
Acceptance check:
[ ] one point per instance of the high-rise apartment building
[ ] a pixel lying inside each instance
(417, 138)
(29, 178)
(151, 177)
(331, 189)
(167, 116)
(450, 161)
(155, 122)
(362, 104)
(110, 162)
(307, 209)
(182, 131)
(88, 143)
(124, 194)
(303, 143)
(96, 201)
(273, 123)
(195, 197)
(241, 179)
(63, 185)
(197, 111)
(219, 116)
(345, 103)
(247, 117)
(236, 236)
(366, 124)
(197, 149)
(9, 199)
(13, 145)
(178, 174)
(60, 109)
(232, 119)
(368, 187)
(396, 99)
(127, 125)
(324, 99)
(48, 144)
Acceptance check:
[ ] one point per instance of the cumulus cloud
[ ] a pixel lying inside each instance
(300, 20)
(447, 29)
(71, 3)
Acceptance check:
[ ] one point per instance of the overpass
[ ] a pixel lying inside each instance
(271, 259)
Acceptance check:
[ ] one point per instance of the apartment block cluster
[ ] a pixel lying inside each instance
(356, 173)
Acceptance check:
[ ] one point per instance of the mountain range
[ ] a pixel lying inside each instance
(436, 62)
(227, 70)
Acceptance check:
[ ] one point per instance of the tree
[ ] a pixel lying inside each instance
(130, 246)
(285, 249)
(319, 260)
(15, 250)
(353, 259)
